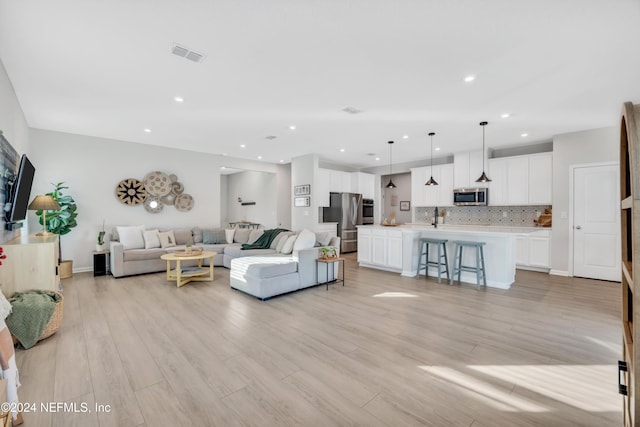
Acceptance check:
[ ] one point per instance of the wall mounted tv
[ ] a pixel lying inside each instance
(19, 192)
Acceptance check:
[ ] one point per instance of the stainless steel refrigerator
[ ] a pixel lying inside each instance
(346, 210)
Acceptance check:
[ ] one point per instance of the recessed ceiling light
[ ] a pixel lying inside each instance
(437, 148)
(281, 161)
(524, 135)
(377, 158)
(342, 150)
(178, 99)
(259, 157)
(351, 110)
(405, 136)
(242, 146)
(292, 127)
(147, 130)
(469, 78)
(505, 115)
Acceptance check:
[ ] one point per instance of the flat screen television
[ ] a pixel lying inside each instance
(20, 191)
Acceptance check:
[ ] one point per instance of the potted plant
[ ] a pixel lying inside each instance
(61, 222)
(328, 252)
(100, 246)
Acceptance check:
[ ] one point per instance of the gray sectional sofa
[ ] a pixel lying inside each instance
(287, 265)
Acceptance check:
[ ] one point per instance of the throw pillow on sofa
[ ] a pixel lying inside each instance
(214, 237)
(287, 248)
(167, 239)
(282, 239)
(322, 238)
(183, 236)
(229, 232)
(131, 237)
(151, 239)
(254, 235)
(306, 239)
(241, 235)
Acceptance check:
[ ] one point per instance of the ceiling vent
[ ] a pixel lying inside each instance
(351, 110)
(270, 137)
(187, 53)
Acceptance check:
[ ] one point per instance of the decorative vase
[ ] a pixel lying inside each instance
(100, 248)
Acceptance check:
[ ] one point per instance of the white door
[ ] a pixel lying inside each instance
(596, 222)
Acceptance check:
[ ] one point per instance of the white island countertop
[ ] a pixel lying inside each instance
(499, 249)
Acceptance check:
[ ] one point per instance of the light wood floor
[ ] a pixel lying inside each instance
(385, 350)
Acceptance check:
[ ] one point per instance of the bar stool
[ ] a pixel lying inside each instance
(478, 268)
(423, 247)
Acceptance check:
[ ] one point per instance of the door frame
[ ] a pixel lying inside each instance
(572, 169)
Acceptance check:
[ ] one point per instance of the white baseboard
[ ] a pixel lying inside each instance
(559, 273)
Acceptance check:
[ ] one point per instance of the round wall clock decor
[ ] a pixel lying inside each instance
(131, 192)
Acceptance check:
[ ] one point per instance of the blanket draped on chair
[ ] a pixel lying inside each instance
(265, 240)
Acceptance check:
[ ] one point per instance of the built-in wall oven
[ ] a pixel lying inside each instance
(367, 211)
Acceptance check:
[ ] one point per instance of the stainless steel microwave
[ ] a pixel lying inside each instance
(471, 197)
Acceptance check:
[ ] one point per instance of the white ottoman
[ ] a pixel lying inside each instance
(264, 276)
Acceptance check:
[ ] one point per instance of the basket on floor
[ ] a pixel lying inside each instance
(54, 323)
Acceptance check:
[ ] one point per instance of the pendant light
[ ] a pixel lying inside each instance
(431, 180)
(390, 184)
(483, 177)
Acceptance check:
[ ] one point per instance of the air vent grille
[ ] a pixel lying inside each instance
(270, 137)
(187, 53)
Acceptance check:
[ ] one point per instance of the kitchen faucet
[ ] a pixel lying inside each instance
(435, 218)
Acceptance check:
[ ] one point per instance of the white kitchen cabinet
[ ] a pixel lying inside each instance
(520, 180)
(540, 179)
(363, 183)
(340, 181)
(323, 187)
(418, 192)
(364, 245)
(394, 249)
(517, 180)
(532, 250)
(467, 167)
(436, 195)
(380, 247)
(498, 184)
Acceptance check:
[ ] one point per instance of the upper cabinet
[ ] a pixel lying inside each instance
(467, 167)
(364, 183)
(437, 195)
(335, 181)
(520, 180)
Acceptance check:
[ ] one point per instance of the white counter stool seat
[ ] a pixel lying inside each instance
(479, 269)
(441, 263)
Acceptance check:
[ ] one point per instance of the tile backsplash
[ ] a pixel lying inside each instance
(516, 216)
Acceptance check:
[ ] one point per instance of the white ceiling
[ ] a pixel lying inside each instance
(104, 68)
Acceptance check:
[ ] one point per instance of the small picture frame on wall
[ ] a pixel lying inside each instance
(302, 190)
(405, 205)
(301, 202)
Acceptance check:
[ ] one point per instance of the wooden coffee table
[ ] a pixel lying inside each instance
(184, 275)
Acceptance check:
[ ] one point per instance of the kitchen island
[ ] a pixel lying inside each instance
(395, 248)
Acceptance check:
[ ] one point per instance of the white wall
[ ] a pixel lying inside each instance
(252, 186)
(15, 130)
(93, 167)
(304, 170)
(592, 146)
(403, 193)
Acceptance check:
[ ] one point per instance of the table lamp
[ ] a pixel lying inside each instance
(44, 203)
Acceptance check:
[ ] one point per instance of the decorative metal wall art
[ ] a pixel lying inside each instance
(156, 190)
